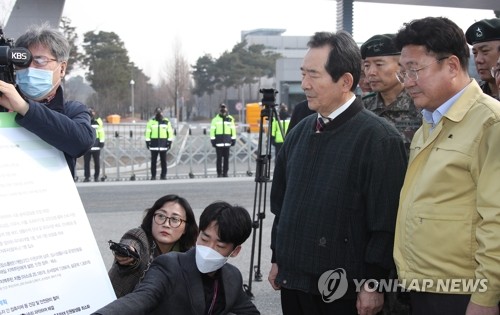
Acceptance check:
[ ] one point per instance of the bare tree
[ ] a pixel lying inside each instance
(176, 85)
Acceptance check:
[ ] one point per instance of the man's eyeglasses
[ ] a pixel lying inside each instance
(42, 61)
(495, 71)
(174, 222)
(412, 74)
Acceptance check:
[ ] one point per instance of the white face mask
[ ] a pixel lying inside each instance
(208, 259)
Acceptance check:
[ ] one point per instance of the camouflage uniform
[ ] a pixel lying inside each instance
(401, 113)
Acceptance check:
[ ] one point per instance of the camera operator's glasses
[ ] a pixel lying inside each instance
(495, 71)
(173, 221)
(42, 61)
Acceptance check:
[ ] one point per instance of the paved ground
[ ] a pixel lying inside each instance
(115, 207)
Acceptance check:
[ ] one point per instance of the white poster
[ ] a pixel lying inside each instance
(49, 260)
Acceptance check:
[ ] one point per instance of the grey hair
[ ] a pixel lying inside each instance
(48, 37)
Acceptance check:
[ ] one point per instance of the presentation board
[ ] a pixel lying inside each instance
(49, 260)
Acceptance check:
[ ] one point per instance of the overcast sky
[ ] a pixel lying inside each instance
(149, 28)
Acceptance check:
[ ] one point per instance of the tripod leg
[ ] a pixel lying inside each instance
(262, 216)
(259, 175)
(248, 287)
(262, 177)
(259, 222)
(263, 191)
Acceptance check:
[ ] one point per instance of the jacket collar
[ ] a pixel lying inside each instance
(193, 281)
(56, 103)
(464, 103)
(456, 113)
(192, 277)
(350, 112)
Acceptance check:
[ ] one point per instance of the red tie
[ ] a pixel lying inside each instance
(320, 124)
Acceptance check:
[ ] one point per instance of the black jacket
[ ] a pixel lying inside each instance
(335, 197)
(63, 124)
(173, 285)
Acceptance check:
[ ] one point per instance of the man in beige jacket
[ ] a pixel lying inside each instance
(447, 248)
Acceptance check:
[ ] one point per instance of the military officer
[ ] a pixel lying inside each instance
(391, 101)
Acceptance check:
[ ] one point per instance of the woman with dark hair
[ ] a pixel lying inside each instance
(169, 225)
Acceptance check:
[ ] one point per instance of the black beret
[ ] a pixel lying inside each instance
(379, 45)
(483, 31)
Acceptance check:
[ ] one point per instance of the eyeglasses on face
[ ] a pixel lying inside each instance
(42, 61)
(412, 74)
(174, 222)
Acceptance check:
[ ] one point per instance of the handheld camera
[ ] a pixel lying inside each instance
(122, 250)
(11, 56)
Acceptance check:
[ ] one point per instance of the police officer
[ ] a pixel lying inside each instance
(95, 150)
(484, 36)
(222, 136)
(391, 101)
(277, 137)
(159, 136)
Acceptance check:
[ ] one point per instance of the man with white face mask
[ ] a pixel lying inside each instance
(38, 98)
(199, 281)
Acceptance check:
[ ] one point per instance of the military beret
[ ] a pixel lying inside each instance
(379, 45)
(483, 31)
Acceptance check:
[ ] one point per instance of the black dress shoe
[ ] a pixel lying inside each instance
(153, 178)
(86, 180)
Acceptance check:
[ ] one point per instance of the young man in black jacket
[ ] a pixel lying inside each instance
(199, 281)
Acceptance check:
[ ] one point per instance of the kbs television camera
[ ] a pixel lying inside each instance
(11, 56)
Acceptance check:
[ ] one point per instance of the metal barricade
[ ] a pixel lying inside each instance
(126, 157)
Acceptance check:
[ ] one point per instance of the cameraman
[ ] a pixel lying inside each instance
(38, 99)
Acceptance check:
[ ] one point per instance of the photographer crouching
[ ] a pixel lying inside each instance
(37, 96)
